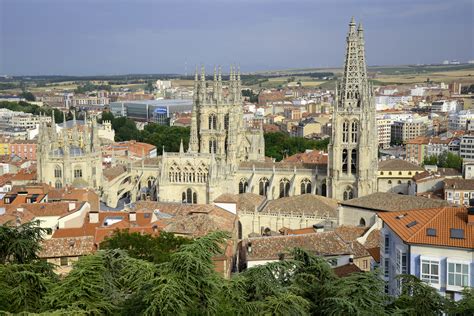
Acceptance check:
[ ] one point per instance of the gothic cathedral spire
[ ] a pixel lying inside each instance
(352, 165)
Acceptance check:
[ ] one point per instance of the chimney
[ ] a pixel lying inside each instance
(470, 215)
(72, 205)
(93, 217)
(132, 216)
(319, 228)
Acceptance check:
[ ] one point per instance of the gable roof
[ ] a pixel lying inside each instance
(324, 244)
(398, 165)
(308, 204)
(442, 220)
(459, 184)
(382, 201)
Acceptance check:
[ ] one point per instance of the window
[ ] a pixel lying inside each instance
(344, 161)
(64, 261)
(263, 186)
(58, 172)
(345, 132)
(58, 184)
(399, 182)
(354, 131)
(386, 243)
(284, 187)
(212, 146)
(243, 184)
(354, 161)
(77, 173)
(226, 121)
(189, 197)
(305, 186)
(212, 121)
(430, 271)
(348, 194)
(389, 181)
(386, 264)
(401, 262)
(458, 274)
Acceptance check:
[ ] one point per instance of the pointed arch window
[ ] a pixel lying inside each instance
(344, 161)
(189, 197)
(226, 122)
(305, 186)
(354, 131)
(212, 146)
(243, 185)
(77, 172)
(58, 184)
(212, 121)
(323, 189)
(345, 132)
(354, 161)
(284, 187)
(58, 172)
(263, 186)
(348, 193)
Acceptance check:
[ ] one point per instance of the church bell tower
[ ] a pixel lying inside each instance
(352, 165)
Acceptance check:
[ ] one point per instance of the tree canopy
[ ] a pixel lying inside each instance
(444, 160)
(279, 145)
(129, 282)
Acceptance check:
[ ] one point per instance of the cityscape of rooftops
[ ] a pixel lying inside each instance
(237, 157)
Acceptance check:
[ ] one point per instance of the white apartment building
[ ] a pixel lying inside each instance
(466, 147)
(446, 106)
(384, 129)
(458, 120)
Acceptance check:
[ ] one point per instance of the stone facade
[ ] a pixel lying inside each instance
(352, 168)
(69, 157)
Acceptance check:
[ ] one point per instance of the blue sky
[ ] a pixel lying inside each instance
(88, 37)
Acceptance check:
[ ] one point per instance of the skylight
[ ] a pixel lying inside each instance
(411, 224)
(431, 232)
(457, 233)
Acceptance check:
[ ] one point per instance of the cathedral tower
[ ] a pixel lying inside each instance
(352, 166)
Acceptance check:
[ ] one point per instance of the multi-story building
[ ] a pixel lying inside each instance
(416, 149)
(292, 113)
(446, 106)
(466, 147)
(395, 175)
(25, 149)
(458, 190)
(384, 128)
(402, 131)
(435, 245)
(458, 120)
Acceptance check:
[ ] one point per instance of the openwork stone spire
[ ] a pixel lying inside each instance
(354, 87)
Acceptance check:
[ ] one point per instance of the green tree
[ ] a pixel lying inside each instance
(20, 244)
(278, 145)
(28, 96)
(417, 298)
(146, 247)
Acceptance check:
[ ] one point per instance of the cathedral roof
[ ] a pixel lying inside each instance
(305, 204)
(248, 202)
(310, 157)
(113, 172)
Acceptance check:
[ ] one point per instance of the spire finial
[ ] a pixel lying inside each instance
(220, 73)
(352, 21)
(196, 74)
(203, 73)
(64, 118)
(215, 73)
(238, 73)
(360, 28)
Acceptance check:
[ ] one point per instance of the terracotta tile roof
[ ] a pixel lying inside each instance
(312, 157)
(11, 216)
(5, 178)
(51, 209)
(345, 270)
(442, 220)
(248, 202)
(398, 165)
(358, 250)
(308, 204)
(300, 231)
(25, 174)
(67, 247)
(440, 174)
(459, 184)
(324, 244)
(75, 194)
(373, 239)
(278, 165)
(226, 198)
(375, 253)
(350, 233)
(113, 172)
(382, 201)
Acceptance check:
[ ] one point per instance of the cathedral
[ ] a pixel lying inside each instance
(225, 155)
